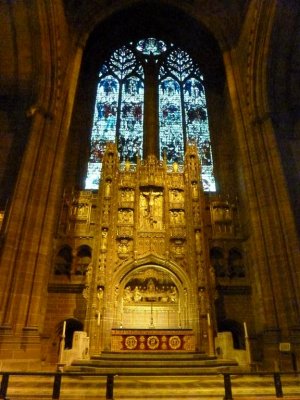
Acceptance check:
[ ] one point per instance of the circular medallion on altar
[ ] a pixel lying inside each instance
(153, 342)
(131, 342)
(174, 342)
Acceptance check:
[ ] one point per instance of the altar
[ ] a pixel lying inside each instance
(152, 340)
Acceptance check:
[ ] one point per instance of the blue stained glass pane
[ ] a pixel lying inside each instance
(104, 126)
(197, 128)
(93, 175)
(170, 121)
(131, 128)
(151, 46)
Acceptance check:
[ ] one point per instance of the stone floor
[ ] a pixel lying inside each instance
(152, 388)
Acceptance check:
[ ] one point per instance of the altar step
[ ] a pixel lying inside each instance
(152, 363)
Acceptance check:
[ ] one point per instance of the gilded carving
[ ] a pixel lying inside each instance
(151, 209)
(198, 240)
(150, 290)
(176, 196)
(174, 342)
(104, 234)
(125, 231)
(195, 191)
(202, 300)
(131, 342)
(177, 217)
(107, 190)
(80, 210)
(177, 248)
(125, 216)
(153, 342)
(105, 213)
(126, 195)
(124, 247)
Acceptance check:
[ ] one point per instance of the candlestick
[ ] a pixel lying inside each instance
(245, 329)
(211, 339)
(208, 319)
(64, 329)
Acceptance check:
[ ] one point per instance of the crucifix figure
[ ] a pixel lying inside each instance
(151, 196)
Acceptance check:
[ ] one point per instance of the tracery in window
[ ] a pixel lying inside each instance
(119, 107)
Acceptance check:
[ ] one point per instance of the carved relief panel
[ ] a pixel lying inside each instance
(126, 197)
(124, 247)
(125, 216)
(151, 299)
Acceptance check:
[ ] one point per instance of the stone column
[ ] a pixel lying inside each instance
(273, 242)
(151, 119)
(27, 251)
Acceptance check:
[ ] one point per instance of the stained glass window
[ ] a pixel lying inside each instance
(118, 114)
(119, 107)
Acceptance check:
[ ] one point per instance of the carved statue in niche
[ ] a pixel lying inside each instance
(104, 235)
(100, 294)
(107, 191)
(195, 192)
(198, 240)
(176, 196)
(124, 247)
(151, 206)
(127, 195)
(202, 300)
(177, 217)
